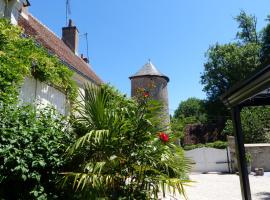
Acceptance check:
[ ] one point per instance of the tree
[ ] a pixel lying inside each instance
(123, 154)
(230, 63)
(191, 111)
(192, 107)
(248, 28)
(265, 51)
(255, 125)
(178, 125)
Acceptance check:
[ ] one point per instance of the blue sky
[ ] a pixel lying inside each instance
(174, 34)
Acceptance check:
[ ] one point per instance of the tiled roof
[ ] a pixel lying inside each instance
(149, 70)
(56, 46)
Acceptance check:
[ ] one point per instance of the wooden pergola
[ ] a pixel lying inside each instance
(254, 91)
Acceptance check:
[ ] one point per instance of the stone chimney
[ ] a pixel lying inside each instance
(70, 36)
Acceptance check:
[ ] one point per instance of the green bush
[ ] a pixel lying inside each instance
(255, 124)
(32, 144)
(248, 157)
(121, 152)
(216, 145)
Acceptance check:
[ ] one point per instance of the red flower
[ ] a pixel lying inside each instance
(164, 137)
(146, 94)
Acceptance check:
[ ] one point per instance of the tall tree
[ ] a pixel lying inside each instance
(192, 107)
(265, 52)
(247, 25)
(230, 63)
(227, 64)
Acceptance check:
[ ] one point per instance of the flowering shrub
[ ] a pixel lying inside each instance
(146, 94)
(119, 154)
(164, 137)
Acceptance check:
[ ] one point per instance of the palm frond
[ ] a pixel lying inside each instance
(81, 180)
(95, 136)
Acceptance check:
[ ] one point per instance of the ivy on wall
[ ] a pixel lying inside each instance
(21, 56)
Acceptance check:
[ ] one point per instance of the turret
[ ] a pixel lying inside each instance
(155, 83)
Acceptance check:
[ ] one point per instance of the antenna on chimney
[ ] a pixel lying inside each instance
(68, 11)
(85, 35)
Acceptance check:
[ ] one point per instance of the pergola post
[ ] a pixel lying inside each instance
(240, 152)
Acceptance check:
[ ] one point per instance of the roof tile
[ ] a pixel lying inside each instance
(50, 41)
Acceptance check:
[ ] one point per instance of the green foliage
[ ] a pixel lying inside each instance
(32, 144)
(118, 153)
(192, 107)
(230, 63)
(178, 125)
(265, 51)
(21, 57)
(255, 125)
(191, 111)
(248, 158)
(248, 28)
(216, 144)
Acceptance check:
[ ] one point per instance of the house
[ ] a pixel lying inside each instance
(65, 48)
(10, 8)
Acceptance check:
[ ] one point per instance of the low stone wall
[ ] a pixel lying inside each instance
(260, 154)
(231, 147)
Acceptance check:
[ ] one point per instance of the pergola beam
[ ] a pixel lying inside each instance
(253, 91)
(240, 153)
(247, 89)
(256, 102)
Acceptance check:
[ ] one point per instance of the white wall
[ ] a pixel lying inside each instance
(34, 91)
(2, 8)
(208, 160)
(12, 10)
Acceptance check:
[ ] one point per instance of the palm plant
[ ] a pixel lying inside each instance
(121, 154)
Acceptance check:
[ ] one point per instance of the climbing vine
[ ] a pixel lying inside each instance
(22, 56)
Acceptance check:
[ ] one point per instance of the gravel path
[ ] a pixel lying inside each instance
(226, 187)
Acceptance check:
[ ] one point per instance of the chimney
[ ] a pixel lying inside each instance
(70, 36)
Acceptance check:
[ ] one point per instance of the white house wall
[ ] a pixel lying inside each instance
(11, 11)
(34, 91)
(28, 91)
(47, 95)
(2, 8)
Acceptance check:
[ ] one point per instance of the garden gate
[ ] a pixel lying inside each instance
(209, 160)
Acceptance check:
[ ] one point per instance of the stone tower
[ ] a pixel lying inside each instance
(155, 83)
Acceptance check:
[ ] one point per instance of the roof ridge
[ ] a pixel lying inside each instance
(57, 46)
(51, 31)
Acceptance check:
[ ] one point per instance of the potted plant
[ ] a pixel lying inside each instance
(248, 161)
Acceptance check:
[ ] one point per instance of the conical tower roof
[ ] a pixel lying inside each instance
(149, 70)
